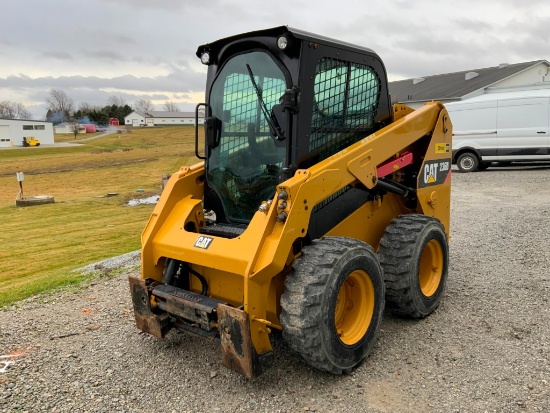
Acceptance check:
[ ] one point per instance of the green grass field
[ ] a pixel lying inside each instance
(41, 245)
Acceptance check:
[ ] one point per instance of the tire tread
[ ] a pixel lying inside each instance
(302, 300)
(397, 249)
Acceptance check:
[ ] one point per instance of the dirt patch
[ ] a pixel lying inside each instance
(85, 165)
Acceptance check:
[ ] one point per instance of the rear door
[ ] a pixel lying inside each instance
(523, 129)
(475, 127)
(4, 131)
(4, 136)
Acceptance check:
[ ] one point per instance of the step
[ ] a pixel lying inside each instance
(188, 305)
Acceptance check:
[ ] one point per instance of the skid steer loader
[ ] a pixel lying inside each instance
(315, 204)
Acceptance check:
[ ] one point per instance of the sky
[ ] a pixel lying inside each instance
(145, 49)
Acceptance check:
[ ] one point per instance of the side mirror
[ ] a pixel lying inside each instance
(290, 100)
(213, 127)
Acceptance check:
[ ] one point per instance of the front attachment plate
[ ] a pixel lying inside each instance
(238, 352)
(146, 320)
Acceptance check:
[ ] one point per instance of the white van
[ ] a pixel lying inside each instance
(504, 127)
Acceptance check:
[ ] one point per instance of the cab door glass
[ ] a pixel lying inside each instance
(243, 169)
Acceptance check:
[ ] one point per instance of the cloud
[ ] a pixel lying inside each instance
(177, 86)
(176, 82)
(57, 55)
(107, 55)
(165, 5)
(147, 48)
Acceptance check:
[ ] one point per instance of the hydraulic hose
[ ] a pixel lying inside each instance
(173, 267)
(203, 281)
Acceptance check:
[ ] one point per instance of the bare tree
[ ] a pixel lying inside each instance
(14, 110)
(60, 103)
(170, 106)
(143, 105)
(85, 107)
(74, 127)
(116, 100)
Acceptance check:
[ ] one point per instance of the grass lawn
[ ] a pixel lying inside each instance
(41, 245)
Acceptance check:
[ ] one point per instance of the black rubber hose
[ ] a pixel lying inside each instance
(203, 281)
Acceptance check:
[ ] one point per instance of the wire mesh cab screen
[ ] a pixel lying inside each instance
(346, 96)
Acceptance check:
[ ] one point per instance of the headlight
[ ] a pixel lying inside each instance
(205, 58)
(282, 42)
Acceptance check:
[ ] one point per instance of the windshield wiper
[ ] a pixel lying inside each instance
(272, 122)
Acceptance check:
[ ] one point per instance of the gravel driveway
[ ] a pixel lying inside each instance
(487, 348)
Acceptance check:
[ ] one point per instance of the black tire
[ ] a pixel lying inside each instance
(415, 258)
(483, 166)
(467, 162)
(316, 324)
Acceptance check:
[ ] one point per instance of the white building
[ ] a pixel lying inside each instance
(65, 127)
(12, 132)
(161, 118)
(452, 87)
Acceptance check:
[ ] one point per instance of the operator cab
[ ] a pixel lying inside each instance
(279, 100)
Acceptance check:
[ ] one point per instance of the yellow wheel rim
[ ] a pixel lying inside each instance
(431, 268)
(354, 307)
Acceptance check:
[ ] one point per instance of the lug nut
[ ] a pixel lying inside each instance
(282, 217)
(265, 206)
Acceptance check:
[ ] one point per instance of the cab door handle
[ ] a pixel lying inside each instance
(543, 132)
